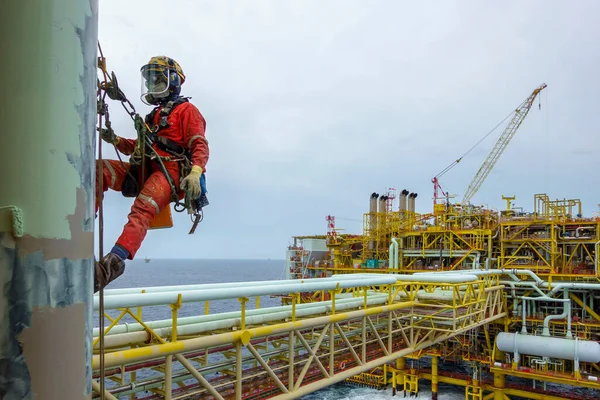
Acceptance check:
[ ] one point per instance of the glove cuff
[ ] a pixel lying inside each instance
(197, 169)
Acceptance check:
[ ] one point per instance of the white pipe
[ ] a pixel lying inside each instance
(487, 262)
(476, 256)
(546, 330)
(124, 339)
(543, 346)
(430, 277)
(308, 285)
(565, 314)
(395, 243)
(576, 360)
(596, 248)
(526, 284)
(562, 286)
(524, 310)
(204, 286)
(135, 327)
(391, 251)
(510, 272)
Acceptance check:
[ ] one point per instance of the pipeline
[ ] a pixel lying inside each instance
(124, 339)
(307, 285)
(136, 327)
(206, 286)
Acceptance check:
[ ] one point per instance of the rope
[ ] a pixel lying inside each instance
(100, 189)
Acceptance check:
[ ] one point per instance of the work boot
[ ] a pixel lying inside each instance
(107, 270)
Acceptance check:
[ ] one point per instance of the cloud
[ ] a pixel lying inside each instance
(311, 106)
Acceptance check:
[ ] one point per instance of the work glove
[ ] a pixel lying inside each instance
(109, 136)
(191, 183)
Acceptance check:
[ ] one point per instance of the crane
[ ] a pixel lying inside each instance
(518, 117)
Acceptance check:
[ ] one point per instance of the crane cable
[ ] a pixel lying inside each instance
(449, 167)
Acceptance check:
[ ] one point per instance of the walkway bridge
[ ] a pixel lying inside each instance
(362, 321)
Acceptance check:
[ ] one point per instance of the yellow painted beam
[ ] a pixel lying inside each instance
(587, 308)
(547, 378)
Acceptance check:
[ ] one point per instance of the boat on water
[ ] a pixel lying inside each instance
(147, 259)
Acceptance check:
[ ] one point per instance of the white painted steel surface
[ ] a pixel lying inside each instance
(587, 351)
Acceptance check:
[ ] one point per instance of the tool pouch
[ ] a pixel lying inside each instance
(131, 186)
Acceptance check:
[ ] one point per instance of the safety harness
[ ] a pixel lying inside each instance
(162, 142)
(179, 154)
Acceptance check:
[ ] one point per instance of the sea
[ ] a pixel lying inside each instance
(160, 272)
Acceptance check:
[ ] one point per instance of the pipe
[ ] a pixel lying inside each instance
(596, 248)
(395, 248)
(136, 327)
(428, 277)
(563, 286)
(372, 201)
(510, 272)
(526, 284)
(316, 284)
(125, 339)
(548, 346)
(476, 257)
(391, 258)
(403, 195)
(208, 286)
(565, 314)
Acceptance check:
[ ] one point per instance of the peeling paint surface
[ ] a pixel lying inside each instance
(44, 78)
(40, 344)
(46, 276)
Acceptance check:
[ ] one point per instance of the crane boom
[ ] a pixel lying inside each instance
(507, 135)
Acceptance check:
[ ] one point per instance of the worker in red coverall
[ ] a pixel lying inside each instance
(184, 127)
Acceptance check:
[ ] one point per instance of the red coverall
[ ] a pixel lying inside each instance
(187, 129)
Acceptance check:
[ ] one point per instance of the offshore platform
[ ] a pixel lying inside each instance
(503, 303)
(508, 299)
(544, 342)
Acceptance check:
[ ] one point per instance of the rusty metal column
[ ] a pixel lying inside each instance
(48, 118)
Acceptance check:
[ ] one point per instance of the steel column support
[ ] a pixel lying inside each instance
(168, 377)
(48, 98)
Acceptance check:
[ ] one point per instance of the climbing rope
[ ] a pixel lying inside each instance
(103, 110)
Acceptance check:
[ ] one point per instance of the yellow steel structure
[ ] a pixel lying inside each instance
(553, 240)
(547, 261)
(294, 353)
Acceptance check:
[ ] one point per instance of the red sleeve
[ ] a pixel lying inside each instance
(126, 146)
(194, 127)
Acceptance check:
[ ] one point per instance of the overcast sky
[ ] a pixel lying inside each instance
(313, 105)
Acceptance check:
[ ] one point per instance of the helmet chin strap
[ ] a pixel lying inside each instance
(161, 99)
